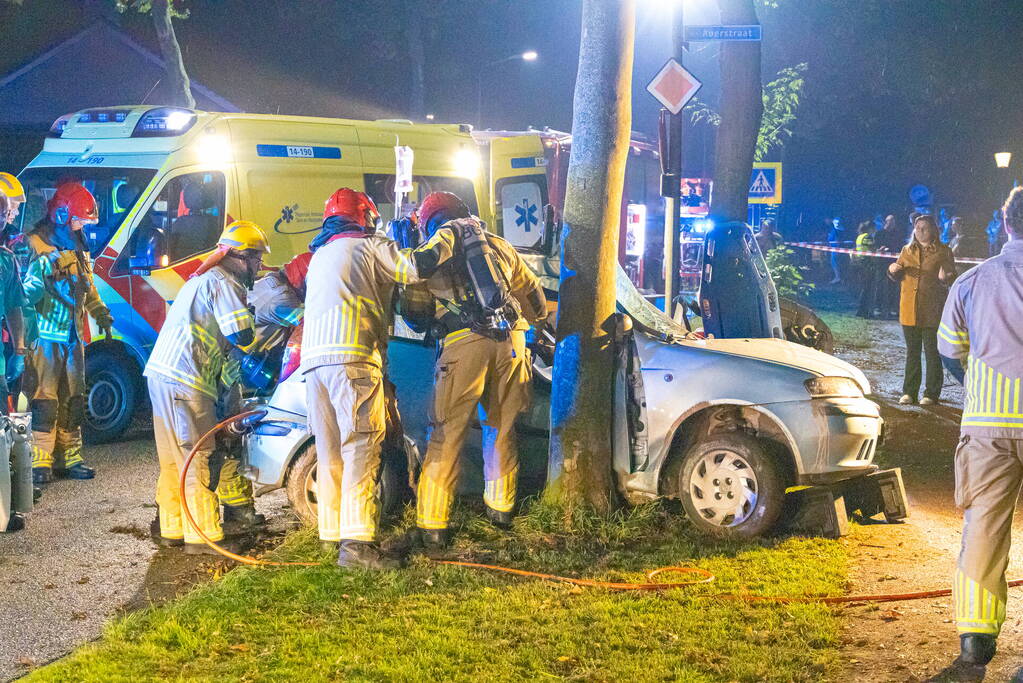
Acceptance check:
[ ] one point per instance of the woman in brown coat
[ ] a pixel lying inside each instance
(926, 268)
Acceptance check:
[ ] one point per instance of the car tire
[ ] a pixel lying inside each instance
(731, 486)
(301, 484)
(113, 392)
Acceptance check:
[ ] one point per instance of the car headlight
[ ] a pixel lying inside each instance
(822, 387)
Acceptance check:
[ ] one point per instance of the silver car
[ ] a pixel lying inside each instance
(724, 425)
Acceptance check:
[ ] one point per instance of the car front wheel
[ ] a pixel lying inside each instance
(731, 486)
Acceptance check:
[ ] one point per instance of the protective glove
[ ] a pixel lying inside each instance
(15, 366)
(105, 322)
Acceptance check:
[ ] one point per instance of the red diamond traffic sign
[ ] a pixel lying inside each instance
(673, 86)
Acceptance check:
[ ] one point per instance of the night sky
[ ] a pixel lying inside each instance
(898, 92)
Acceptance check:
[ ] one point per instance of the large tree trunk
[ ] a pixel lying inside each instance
(413, 19)
(177, 77)
(579, 471)
(741, 107)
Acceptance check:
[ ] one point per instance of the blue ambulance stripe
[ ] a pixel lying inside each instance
(523, 162)
(282, 151)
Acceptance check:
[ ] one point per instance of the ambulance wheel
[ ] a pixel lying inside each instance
(301, 485)
(112, 395)
(731, 486)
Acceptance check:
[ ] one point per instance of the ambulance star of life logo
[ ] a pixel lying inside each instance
(673, 86)
(288, 213)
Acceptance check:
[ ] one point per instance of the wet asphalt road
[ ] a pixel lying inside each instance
(85, 555)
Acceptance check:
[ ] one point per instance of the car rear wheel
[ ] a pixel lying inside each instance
(301, 484)
(731, 486)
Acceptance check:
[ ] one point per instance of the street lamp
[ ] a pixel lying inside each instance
(527, 56)
(1002, 159)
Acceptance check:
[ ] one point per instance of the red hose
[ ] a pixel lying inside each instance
(650, 585)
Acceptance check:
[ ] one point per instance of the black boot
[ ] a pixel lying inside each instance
(435, 540)
(37, 492)
(160, 540)
(15, 523)
(41, 475)
(364, 555)
(976, 649)
(242, 519)
(79, 471)
(237, 545)
(502, 520)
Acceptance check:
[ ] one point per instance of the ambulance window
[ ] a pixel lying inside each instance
(520, 209)
(190, 212)
(116, 190)
(380, 187)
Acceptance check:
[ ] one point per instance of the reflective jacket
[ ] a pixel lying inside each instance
(60, 293)
(349, 299)
(192, 348)
(982, 327)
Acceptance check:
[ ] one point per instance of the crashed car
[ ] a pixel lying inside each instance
(724, 425)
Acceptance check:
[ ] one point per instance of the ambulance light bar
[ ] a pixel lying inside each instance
(164, 122)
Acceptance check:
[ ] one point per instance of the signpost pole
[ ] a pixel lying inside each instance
(673, 167)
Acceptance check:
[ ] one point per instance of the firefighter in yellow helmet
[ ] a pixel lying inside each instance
(486, 299)
(59, 284)
(12, 295)
(187, 372)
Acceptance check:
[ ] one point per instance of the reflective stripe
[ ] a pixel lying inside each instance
(499, 494)
(433, 506)
(992, 399)
(457, 335)
(952, 336)
(977, 610)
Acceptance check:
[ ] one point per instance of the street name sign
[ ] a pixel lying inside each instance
(673, 86)
(765, 183)
(697, 34)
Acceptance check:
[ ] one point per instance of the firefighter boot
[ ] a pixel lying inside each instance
(41, 475)
(364, 555)
(502, 520)
(78, 471)
(237, 545)
(15, 523)
(160, 540)
(242, 519)
(435, 542)
(976, 649)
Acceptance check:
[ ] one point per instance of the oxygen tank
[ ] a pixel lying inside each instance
(21, 457)
(486, 281)
(6, 481)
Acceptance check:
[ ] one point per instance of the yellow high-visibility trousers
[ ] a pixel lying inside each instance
(474, 372)
(989, 474)
(347, 416)
(232, 488)
(182, 415)
(58, 403)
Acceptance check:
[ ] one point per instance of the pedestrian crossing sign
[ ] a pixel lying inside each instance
(765, 183)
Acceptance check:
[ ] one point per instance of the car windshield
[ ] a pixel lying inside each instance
(116, 190)
(642, 311)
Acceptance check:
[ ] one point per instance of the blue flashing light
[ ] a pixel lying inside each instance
(703, 225)
(164, 122)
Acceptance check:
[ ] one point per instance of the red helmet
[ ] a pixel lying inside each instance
(441, 202)
(71, 202)
(295, 270)
(354, 205)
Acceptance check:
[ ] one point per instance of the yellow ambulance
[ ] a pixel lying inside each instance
(185, 174)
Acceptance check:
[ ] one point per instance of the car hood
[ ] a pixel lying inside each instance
(785, 353)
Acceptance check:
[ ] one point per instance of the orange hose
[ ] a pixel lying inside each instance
(650, 585)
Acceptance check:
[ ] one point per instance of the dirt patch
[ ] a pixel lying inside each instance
(915, 640)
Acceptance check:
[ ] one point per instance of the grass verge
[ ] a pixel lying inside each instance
(432, 622)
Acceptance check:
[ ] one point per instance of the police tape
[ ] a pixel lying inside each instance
(817, 246)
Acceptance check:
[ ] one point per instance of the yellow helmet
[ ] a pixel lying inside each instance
(11, 187)
(245, 235)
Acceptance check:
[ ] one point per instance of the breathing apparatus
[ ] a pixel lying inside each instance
(16, 488)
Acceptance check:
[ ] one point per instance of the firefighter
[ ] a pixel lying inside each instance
(349, 295)
(980, 323)
(14, 241)
(186, 374)
(59, 285)
(12, 299)
(486, 300)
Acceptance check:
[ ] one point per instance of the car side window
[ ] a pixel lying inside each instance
(190, 211)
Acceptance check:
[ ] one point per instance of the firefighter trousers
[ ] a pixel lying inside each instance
(989, 473)
(58, 404)
(181, 415)
(347, 415)
(474, 372)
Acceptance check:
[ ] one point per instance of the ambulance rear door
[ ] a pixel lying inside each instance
(518, 172)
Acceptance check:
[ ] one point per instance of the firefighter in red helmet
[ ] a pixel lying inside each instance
(348, 312)
(59, 284)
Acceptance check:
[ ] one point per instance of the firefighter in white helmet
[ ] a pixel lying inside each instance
(59, 284)
(186, 374)
(348, 311)
(486, 299)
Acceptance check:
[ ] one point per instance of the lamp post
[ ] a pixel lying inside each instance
(527, 56)
(673, 167)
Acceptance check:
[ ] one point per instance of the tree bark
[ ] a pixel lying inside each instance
(579, 469)
(742, 105)
(177, 77)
